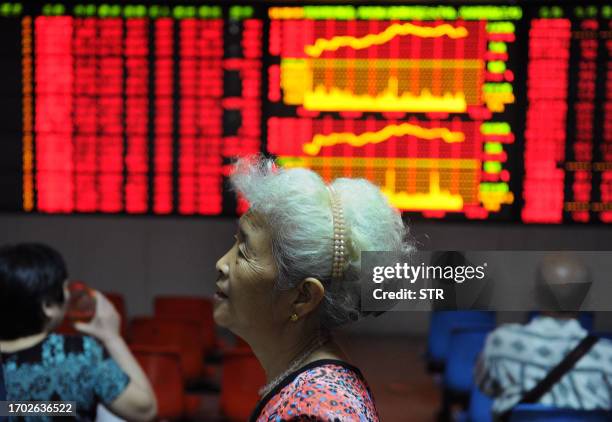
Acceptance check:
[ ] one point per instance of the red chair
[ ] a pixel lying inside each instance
(193, 406)
(241, 344)
(242, 377)
(163, 369)
(196, 309)
(183, 335)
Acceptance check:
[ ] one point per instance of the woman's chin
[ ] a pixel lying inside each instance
(221, 315)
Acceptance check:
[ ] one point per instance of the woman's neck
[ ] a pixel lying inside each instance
(22, 343)
(278, 353)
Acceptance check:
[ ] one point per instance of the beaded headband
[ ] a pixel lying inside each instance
(339, 261)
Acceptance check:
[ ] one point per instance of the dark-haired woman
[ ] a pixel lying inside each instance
(43, 366)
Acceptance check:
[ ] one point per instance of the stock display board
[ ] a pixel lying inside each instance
(463, 112)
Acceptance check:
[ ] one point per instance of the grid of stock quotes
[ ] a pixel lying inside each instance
(496, 112)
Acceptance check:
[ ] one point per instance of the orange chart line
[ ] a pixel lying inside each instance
(333, 44)
(319, 141)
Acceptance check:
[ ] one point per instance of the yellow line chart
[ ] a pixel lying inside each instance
(319, 141)
(333, 44)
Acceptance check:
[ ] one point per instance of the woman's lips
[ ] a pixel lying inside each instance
(220, 295)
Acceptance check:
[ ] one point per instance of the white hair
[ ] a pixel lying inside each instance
(296, 206)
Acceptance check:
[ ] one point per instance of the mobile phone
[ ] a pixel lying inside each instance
(81, 303)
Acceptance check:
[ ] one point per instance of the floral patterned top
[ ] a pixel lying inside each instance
(71, 368)
(325, 390)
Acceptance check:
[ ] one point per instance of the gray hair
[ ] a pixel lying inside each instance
(296, 205)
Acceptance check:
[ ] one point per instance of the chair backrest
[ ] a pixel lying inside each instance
(465, 344)
(184, 335)
(198, 309)
(164, 372)
(541, 413)
(241, 344)
(605, 335)
(479, 409)
(242, 377)
(440, 329)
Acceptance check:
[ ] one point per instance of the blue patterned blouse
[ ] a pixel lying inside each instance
(72, 368)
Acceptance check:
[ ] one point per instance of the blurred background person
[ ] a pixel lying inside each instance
(292, 275)
(41, 365)
(517, 357)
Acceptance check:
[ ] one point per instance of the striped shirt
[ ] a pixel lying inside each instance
(516, 357)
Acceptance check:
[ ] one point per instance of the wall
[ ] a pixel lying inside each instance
(146, 256)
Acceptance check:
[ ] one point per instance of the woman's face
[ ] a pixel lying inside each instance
(246, 300)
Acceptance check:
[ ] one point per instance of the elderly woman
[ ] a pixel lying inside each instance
(38, 364)
(292, 275)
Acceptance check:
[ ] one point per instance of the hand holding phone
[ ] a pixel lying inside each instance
(106, 323)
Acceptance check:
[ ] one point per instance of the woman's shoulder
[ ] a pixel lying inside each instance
(56, 349)
(74, 344)
(324, 390)
(332, 376)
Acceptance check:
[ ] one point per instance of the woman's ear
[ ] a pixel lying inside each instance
(51, 310)
(54, 311)
(310, 294)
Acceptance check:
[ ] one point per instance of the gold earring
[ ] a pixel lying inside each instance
(294, 317)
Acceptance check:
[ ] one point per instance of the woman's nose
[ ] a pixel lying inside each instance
(222, 266)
